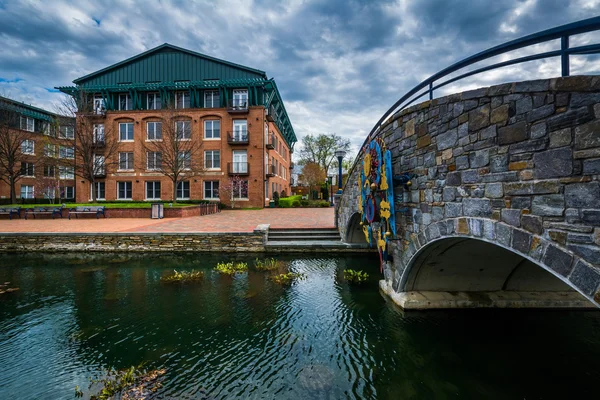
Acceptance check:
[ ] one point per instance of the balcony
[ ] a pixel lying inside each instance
(292, 165)
(237, 138)
(237, 106)
(99, 144)
(238, 168)
(270, 170)
(271, 114)
(271, 142)
(100, 173)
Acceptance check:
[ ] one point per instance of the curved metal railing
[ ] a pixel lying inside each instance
(562, 32)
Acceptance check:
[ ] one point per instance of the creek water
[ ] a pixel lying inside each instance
(75, 316)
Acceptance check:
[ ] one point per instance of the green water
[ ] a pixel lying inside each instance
(245, 337)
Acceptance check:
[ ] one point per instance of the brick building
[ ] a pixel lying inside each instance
(36, 152)
(228, 122)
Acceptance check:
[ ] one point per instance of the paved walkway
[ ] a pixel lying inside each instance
(225, 221)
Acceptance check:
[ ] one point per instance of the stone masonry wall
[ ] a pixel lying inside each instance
(525, 155)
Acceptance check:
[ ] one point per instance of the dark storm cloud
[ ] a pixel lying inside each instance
(339, 64)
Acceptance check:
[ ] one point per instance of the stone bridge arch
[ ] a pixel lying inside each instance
(519, 161)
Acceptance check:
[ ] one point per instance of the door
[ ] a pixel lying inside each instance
(240, 162)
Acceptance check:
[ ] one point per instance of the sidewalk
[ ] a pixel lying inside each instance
(225, 221)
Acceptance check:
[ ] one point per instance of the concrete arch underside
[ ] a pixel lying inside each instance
(468, 271)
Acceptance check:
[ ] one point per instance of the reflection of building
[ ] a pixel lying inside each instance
(42, 148)
(234, 111)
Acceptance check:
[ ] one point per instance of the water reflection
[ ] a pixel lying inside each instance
(246, 337)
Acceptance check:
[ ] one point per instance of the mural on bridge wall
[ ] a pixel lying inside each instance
(376, 202)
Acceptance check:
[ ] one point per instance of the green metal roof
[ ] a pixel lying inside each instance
(168, 63)
(26, 109)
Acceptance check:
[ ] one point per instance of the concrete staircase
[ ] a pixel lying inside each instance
(306, 239)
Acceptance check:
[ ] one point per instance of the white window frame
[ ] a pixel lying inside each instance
(98, 191)
(65, 190)
(99, 165)
(126, 183)
(186, 99)
(125, 125)
(212, 122)
(154, 125)
(240, 129)
(124, 158)
(49, 193)
(49, 168)
(29, 124)
(153, 190)
(28, 147)
(186, 160)
(66, 173)
(212, 159)
(128, 102)
(212, 190)
(99, 105)
(180, 126)
(237, 154)
(66, 152)
(238, 190)
(98, 133)
(153, 160)
(182, 190)
(240, 98)
(153, 101)
(29, 192)
(214, 97)
(66, 132)
(27, 165)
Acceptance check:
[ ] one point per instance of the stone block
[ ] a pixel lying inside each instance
(449, 194)
(477, 208)
(488, 133)
(570, 118)
(540, 85)
(562, 99)
(589, 253)
(463, 130)
(423, 141)
(528, 146)
(453, 210)
(521, 241)
(587, 135)
(540, 113)
(560, 138)
(591, 166)
(494, 190)
(580, 238)
(462, 162)
(500, 177)
(538, 130)
(524, 105)
(553, 163)
(511, 216)
(447, 139)
(558, 260)
(504, 234)
(462, 226)
(585, 277)
(470, 176)
(499, 163)
(521, 203)
(409, 128)
(512, 133)
(551, 205)
(532, 223)
(499, 114)
(479, 158)
(479, 118)
(437, 213)
(518, 188)
(591, 217)
(517, 165)
(539, 100)
(583, 195)
(584, 99)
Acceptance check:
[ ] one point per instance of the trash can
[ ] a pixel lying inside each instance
(157, 210)
(272, 203)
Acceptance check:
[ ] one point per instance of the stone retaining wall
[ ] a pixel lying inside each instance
(177, 212)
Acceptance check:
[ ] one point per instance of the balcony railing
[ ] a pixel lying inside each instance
(237, 106)
(271, 142)
(270, 170)
(100, 173)
(99, 143)
(271, 114)
(238, 168)
(237, 137)
(292, 165)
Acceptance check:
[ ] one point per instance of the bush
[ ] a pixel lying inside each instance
(295, 203)
(283, 193)
(304, 203)
(183, 277)
(231, 268)
(286, 202)
(356, 277)
(276, 197)
(324, 204)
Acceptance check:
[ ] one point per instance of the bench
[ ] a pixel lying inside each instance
(44, 210)
(10, 211)
(88, 210)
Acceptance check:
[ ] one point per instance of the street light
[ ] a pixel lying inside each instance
(340, 156)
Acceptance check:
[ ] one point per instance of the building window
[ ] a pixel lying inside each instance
(126, 131)
(126, 161)
(99, 166)
(28, 147)
(124, 190)
(212, 99)
(27, 124)
(240, 130)
(240, 98)
(66, 132)
(99, 133)
(153, 101)
(240, 162)
(183, 130)
(154, 160)
(99, 106)
(125, 102)
(46, 128)
(66, 152)
(49, 171)
(240, 189)
(66, 173)
(182, 100)
(212, 159)
(212, 129)
(100, 188)
(48, 193)
(67, 192)
(154, 130)
(153, 190)
(183, 190)
(27, 191)
(211, 190)
(27, 169)
(185, 159)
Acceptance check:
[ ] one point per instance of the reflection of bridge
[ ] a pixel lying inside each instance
(504, 208)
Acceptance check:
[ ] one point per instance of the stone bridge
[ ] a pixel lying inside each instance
(504, 210)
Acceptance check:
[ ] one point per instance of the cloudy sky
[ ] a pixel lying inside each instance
(339, 64)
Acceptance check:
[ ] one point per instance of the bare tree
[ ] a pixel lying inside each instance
(171, 150)
(15, 163)
(95, 146)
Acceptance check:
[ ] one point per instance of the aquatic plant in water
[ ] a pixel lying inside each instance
(231, 268)
(268, 264)
(288, 278)
(183, 277)
(353, 276)
(132, 383)
(5, 289)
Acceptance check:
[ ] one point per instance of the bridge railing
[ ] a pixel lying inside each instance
(563, 32)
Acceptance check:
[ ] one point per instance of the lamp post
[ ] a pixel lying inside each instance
(340, 156)
(330, 179)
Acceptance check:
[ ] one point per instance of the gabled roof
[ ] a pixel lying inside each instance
(168, 47)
